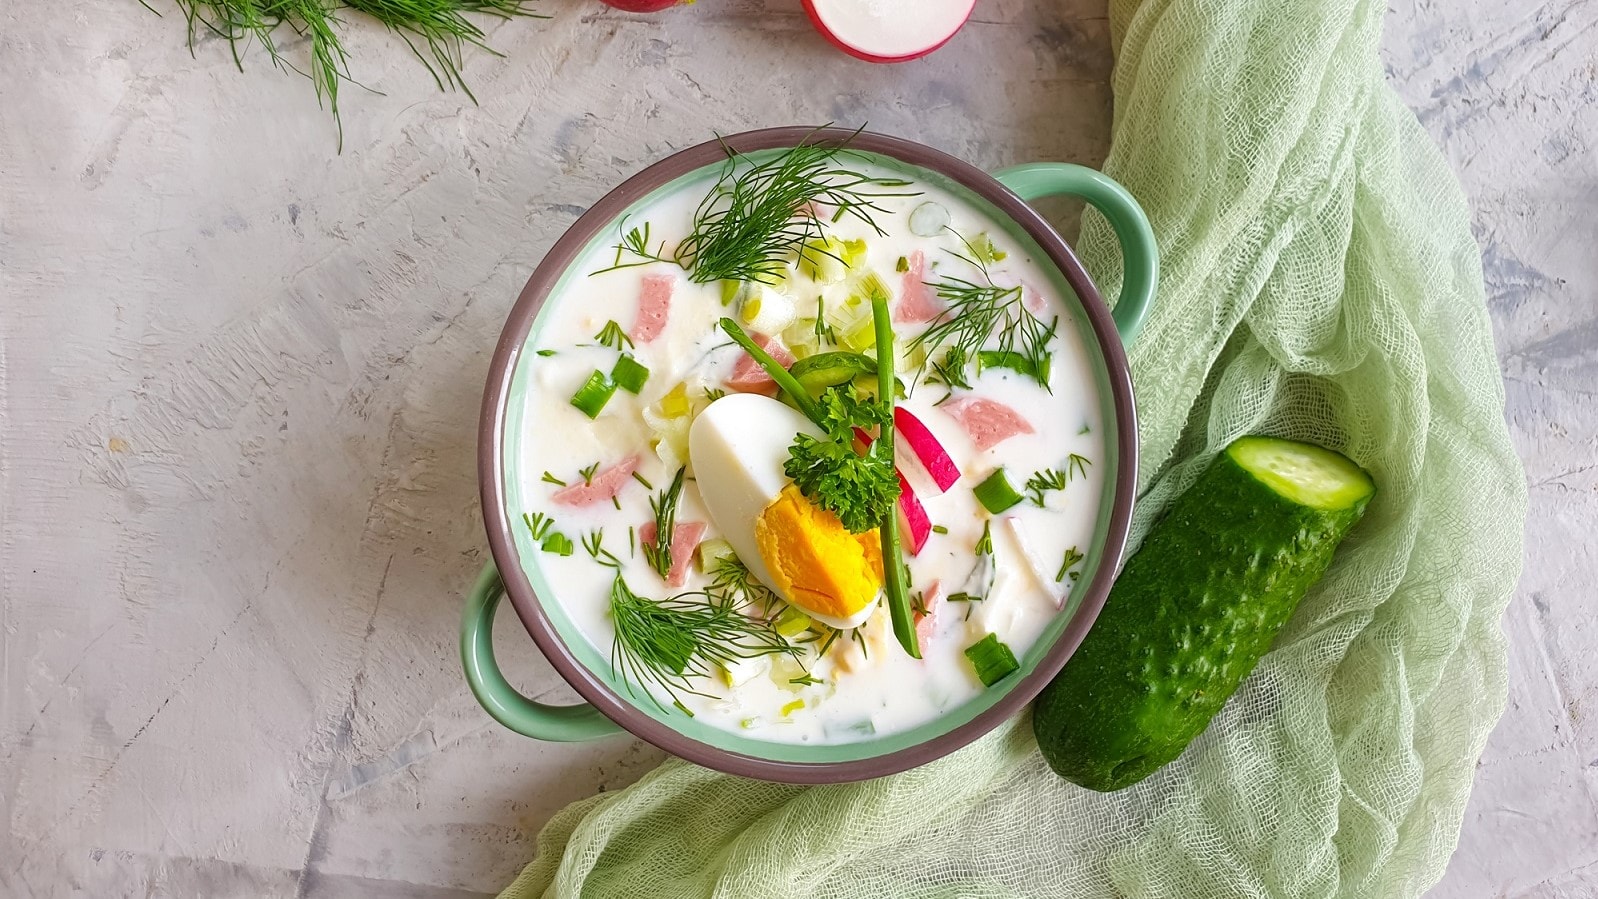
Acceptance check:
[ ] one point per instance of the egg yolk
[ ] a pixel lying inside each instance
(819, 566)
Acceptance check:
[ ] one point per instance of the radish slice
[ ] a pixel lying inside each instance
(888, 30)
(913, 518)
(928, 451)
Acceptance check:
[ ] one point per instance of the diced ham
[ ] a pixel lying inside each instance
(988, 422)
(916, 300)
(602, 487)
(654, 307)
(927, 622)
(685, 538)
(749, 377)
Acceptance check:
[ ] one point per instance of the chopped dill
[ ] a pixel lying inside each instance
(538, 523)
(546, 353)
(613, 336)
(664, 506)
(635, 242)
(1072, 556)
(588, 473)
(805, 680)
(824, 332)
(714, 393)
(594, 544)
(551, 479)
(1051, 479)
(642, 480)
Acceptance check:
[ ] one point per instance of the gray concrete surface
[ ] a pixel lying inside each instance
(239, 376)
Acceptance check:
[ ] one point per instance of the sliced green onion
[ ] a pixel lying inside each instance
(939, 529)
(594, 394)
(791, 622)
(995, 494)
(893, 569)
(791, 707)
(731, 290)
(559, 544)
(629, 374)
(903, 265)
(992, 659)
(1015, 362)
(712, 552)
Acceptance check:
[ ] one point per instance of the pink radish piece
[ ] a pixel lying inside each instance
(912, 517)
(602, 487)
(685, 538)
(888, 30)
(928, 451)
(654, 307)
(749, 377)
(916, 302)
(988, 422)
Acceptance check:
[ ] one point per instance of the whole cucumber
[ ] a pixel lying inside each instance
(1196, 607)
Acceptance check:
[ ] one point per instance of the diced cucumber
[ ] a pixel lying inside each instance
(1196, 607)
(713, 552)
(929, 219)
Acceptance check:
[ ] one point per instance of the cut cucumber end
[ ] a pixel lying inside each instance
(1303, 473)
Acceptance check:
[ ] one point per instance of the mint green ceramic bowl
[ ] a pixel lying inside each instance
(611, 706)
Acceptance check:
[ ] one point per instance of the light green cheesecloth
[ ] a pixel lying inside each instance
(1319, 281)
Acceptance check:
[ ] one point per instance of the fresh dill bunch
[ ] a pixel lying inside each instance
(436, 31)
(658, 554)
(757, 215)
(1044, 481)
(982, 312)
(669, 641)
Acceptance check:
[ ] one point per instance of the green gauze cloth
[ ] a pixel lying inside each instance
(1319, 281)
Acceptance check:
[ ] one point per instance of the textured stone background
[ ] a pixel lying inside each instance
(239, 377)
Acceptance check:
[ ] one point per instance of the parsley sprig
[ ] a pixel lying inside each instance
(859, 489)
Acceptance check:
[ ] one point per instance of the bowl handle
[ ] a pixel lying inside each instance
(1139, 255)
(557, 723)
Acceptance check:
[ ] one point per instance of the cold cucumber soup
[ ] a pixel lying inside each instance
(729, 541)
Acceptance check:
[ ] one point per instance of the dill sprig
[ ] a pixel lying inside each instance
(757, 215)
(613, 336)
(979, 313)
(669, 641)
(754, 218)
(658, 554)
(436, 31)
(733, 579)
(1072, 556)
(1051, 479)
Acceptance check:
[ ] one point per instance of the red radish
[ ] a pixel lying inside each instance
(928, 451)
(888, 30)
(913, 518)
(641, 5)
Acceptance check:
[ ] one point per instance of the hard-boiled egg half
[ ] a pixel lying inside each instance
(738, 446)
